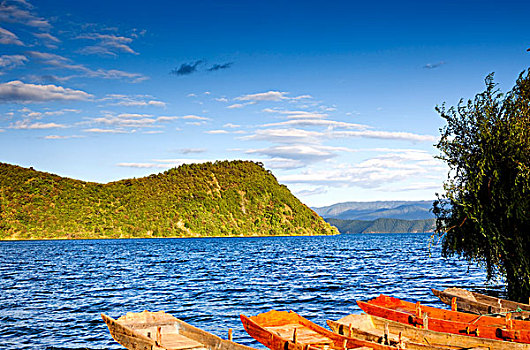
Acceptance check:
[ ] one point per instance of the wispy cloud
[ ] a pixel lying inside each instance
(332, 124)
(65, 63)
(385, 135)
(26, 124)
(59, 137)
(106, 131)
(433, 65)
(107, 45)
(48, 40)
(133, 101)
(305, 153)
(192, 150)
(9, 38)
(240, 105)
(264, 96)
(186, 68)
(11, 13)
(378, 172)
(216, 132)
(19, 92)
(11, 61)
(285, 136)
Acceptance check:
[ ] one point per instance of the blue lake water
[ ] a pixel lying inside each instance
(52, 292)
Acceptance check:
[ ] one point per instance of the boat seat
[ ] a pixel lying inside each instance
(304, 335)
(170, 339)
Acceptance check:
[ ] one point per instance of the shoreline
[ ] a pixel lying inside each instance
(150, 237)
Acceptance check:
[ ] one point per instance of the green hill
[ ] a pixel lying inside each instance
(210, 199)
(383, 225)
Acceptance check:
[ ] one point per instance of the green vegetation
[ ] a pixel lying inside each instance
(382, 225)
(484, 214)
(210, 199)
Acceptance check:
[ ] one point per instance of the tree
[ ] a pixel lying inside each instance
(484, 214)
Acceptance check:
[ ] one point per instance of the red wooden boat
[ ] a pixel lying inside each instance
(281, 330)
(447, 321)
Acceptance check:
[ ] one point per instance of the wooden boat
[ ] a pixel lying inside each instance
(411, 336)
(281, 330)
(447, 321)
(468, 301)
(160, 331)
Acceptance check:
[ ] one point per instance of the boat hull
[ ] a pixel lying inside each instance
(280, 330)
(160, 331)
(481, 304)
(410, 334)
(440, 320)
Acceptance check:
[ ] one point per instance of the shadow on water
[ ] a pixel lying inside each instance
(54, 291)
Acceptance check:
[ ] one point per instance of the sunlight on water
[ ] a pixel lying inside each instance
(54, 291)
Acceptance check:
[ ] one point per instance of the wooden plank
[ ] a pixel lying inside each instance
(303, 335)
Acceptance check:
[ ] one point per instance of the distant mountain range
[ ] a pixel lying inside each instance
(382, 225)
(380, 216)
(404, 210)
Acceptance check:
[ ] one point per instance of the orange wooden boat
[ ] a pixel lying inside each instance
(281, 330)
(447, 321)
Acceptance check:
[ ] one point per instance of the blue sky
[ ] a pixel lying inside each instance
(335, 98)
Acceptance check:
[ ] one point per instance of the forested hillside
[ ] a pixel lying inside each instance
(209, 199)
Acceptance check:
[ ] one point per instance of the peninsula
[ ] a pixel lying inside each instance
(225, 198)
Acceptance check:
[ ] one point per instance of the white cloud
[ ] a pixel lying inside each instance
(143, 165)
(285, 136)
(107, 44)
(269, 96)
(216, 132)
(106, 131)
(9, 38)
(306, 153)
(125, 120)
(192, 150)
(331, 124)
(230, 125)
(297, 114)
(312, 191)
(133, 101)
(65, 63)
(166, 119)
(383, 171)
(134, 115)
(387, 135)
(12, 61)
(164, 163)
(194, 117)
(263, 96)
(14, 14)
(26, 124)
(221, 99)
(47, 36)
(240, 105)
(58, 137)
(17, 91)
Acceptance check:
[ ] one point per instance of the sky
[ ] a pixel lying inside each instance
(335, 98)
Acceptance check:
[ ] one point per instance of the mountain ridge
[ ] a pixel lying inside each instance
(402, 210)
(208, 199)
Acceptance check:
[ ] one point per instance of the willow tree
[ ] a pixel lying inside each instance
(484, 214)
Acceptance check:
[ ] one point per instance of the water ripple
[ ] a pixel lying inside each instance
(54, 291)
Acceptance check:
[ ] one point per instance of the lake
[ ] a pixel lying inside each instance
(54, 291)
